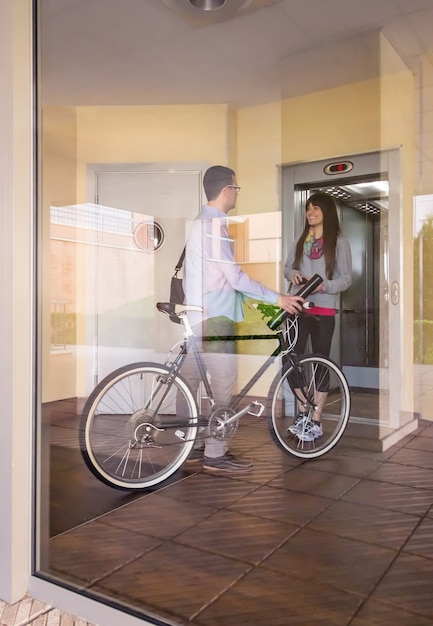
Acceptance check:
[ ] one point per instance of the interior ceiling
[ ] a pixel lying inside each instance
(112, 52)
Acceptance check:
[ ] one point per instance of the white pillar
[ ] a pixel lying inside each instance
(16, 311)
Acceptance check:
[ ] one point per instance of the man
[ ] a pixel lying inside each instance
(213, 280)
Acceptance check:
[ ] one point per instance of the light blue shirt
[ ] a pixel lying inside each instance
(212, 277)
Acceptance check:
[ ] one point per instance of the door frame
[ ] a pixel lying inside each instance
(95, 171)
(383, 163)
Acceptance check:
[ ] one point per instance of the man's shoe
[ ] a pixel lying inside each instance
(313, 430)
(227, 463)
(298, 424)
(195, 456)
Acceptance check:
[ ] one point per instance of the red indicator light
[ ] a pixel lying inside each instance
(339, 167)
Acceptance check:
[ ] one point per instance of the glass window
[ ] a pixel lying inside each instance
(137, 101)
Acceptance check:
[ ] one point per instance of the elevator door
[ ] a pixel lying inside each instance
(361, 193)
(356, 339)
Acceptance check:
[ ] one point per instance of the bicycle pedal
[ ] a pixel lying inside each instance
(256, 409)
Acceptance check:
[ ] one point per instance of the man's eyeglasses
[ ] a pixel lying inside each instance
(236, 187)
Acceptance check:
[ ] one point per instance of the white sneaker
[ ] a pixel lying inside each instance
(298, 424)
(313, 430)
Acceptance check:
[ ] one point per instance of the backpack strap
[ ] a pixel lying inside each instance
(180, 262)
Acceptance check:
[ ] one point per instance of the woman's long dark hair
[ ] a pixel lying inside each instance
(331, 230)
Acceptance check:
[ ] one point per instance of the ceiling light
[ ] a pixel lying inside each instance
(206, 12)
(208, 5)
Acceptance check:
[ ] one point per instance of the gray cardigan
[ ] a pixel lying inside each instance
(341, 279)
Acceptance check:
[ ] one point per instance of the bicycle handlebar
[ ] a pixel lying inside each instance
(305, 291)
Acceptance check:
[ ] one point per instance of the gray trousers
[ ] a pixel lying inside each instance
(219, 356)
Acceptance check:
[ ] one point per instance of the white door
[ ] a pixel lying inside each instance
(144, 213)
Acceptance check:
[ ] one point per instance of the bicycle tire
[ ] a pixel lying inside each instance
(283, 405)
(123, 442)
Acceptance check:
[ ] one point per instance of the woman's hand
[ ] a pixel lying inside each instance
(297, 278)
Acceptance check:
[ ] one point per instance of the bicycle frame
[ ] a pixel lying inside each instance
(255, 408)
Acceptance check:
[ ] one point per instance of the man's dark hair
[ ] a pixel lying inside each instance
(215, 179)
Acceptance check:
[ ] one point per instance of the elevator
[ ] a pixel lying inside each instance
(368, 323)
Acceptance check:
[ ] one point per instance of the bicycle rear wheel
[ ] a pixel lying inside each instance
(138, 426)
(316, 377)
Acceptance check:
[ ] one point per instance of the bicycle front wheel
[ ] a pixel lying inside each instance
(316, 382)
(138, 426)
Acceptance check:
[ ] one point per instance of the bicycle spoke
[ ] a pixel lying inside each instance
(316, 390)
(137, 429)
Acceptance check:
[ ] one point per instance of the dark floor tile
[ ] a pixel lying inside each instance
(421, 443)
(208, 489)
(61, 412)
(364, 452)
(408, 585)
(375, 613)
(404, 475)
(266, 598)
(321, 557)
(421, 542)
(90, 552)
(281, 505)
(262, 471)
(345, 464)
(239, 536)
(366, 523)
(76, 497)
(414, 456)
(425, 428)
(174, 581)
(391, 496)
(158, 516)
(62, 459)
(311, 481)
(271, 453)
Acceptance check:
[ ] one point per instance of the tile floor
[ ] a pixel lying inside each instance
(344, 540)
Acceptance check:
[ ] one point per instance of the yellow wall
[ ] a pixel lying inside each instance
(335, 122)
(259, 154)
(59, 174)
(150, 134)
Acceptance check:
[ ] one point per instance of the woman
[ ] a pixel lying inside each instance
(320, 249)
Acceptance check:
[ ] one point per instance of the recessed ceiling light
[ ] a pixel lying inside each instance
(207, 5)
(206, 12)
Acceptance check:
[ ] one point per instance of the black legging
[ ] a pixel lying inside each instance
(320, 328)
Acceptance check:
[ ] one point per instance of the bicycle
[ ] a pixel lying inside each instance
(132, 436)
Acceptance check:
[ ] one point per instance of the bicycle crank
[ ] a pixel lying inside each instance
(224, 421)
